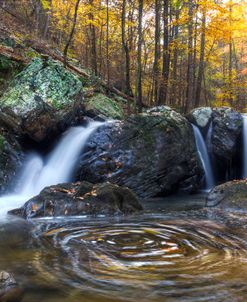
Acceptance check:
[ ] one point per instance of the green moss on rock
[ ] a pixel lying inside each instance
(47, 80)
(101, 104)
(2, 139)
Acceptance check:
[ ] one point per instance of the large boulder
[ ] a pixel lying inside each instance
(201, 117)
(153, 154)
(46, 98)
(74, 199)
(230, 195)
(227, 126)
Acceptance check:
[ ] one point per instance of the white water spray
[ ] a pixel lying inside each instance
(203, 153)
(58, 168)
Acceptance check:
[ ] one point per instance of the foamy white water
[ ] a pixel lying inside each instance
(58, 168)
(203, 153)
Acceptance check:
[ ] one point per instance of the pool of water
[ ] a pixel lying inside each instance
(168, 253)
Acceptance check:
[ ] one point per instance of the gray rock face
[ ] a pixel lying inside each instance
(152, 154)
(10, 159)
(227, 126)
(201, 117)
(230, 195)
(73, 199)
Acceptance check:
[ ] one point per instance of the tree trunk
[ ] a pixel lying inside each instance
(157, 51)
(166, 56)
(139, 58)
(189, 89)
(107, 44)
(201, 62)
(126, 53)
(65, 52)
(93, 41)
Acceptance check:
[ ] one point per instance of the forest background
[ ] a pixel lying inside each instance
(183, 54)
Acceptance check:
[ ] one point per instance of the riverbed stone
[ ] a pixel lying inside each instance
(153, 154)
(229, 195)
(81, 198)
(9, 288)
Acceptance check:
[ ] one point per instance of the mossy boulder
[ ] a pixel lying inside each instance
(231, 195)
(100, 105)
(81, 198)
(46, 97)
(152, 154)
(201, 117)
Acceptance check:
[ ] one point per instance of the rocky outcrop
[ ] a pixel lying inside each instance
(9, 289)
(227, 126)
(230, 195)
(201, 117)
(153, 154)
(45, 98)
(226, 129)
(10, 159)
(81, 198)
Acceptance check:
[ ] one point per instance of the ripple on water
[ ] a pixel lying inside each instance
(177, 260)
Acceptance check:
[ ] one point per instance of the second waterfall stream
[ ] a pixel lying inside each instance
(205, 159)
(59, 166)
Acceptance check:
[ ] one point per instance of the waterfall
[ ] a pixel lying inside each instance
(244, 146)
(59, 166)
(203, 153)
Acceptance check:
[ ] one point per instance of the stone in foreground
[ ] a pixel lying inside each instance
(9, 289)
(81, 198)
(230, 195)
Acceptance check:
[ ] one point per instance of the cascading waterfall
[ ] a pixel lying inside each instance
(203, 153)
(57, 168)
(244, 146)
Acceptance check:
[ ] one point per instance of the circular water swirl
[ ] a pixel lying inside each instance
(180, 260)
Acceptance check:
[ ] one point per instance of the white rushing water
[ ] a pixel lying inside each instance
(203, 153)
(244, 145)
(59, 166)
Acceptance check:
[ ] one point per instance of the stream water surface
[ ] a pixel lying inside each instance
(174, 254)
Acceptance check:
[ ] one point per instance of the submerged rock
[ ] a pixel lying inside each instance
(81, 198)
(46, 98)
(9, 289)
(230, 195)
(153, 153)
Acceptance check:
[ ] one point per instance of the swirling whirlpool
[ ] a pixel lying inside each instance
(182, 260)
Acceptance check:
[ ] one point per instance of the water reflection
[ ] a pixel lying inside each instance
(150, 257)
(181, 256)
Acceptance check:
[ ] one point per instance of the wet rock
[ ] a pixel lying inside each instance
(201, 117)
(227, 126)
(11, 157)
(9, 289)
(46, 98)
(230, 195)
(153, 153)
(81, 198)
